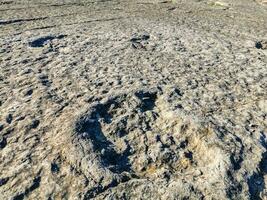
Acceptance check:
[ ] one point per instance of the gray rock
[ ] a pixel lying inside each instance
(133, 99)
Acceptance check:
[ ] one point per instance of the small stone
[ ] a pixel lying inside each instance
(219, 3)
(258, 182)
(103, 152)
(26, 71)
(144, 82)
(84, 135)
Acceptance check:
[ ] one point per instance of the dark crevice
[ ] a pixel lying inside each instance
(261, 44)
(140, 42)
(256, 182)
(140, 38)
(235, 188)
(3, 142)
(40, 28)
(96, 20)
(10, 9)
(6, 2)
(3, 181)
(13, 21)
(34, 186)
(148, 100)
(54, 167)
(237, 160)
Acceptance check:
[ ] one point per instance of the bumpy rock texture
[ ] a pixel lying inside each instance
(133, 99)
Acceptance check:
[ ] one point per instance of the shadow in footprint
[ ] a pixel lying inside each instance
(237, 160)
(256, 181)
(90, 128)
(40, 42)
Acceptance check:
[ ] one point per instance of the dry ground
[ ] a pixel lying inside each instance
(146, 99)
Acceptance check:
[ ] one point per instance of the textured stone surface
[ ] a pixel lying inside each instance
(133, 99)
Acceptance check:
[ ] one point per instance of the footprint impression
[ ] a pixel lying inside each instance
(136, 135)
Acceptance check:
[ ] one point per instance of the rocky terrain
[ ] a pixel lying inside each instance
(133, 99)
